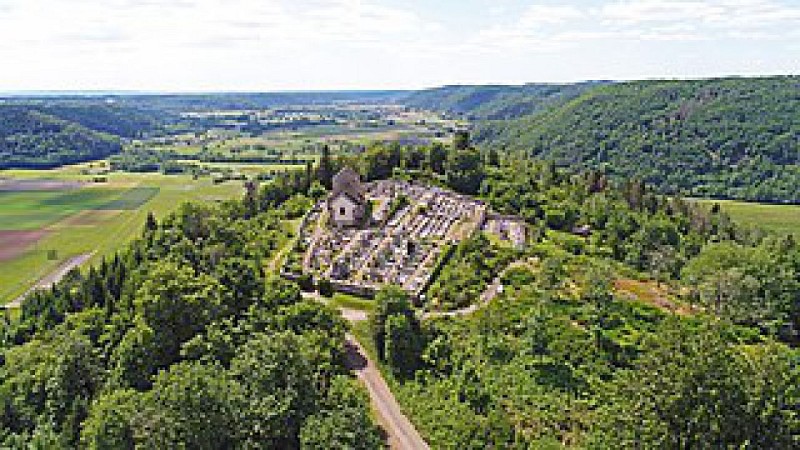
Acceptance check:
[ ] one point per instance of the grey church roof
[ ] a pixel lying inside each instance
(348, 182)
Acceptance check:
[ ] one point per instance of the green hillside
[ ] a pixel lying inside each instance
(31, 138)
(496, 101)
(729, 138)
(107, 118)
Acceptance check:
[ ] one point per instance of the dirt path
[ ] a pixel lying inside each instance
(487, 296)
(52, 278)
(492, 291)
(276, 264)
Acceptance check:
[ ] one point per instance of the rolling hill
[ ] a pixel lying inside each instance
(45, 133)
(495, 102)
(729, 138)
(30, 138)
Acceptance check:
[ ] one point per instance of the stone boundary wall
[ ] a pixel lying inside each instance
(338, 286)
(492, 216)
(353, 289)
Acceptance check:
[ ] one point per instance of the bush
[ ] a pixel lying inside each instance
(305, 282)
(325, 288)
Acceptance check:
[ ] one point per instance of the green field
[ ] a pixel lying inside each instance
(304, 141)
(775, 218)
(31, 210)
(99, 218)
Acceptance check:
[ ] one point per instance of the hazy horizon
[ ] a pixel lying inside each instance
(216, 46)
(124, 92)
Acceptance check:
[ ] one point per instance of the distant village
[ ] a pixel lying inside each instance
(366, 235)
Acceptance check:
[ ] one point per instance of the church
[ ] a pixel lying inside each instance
(347, 204)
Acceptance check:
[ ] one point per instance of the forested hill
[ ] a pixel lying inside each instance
(108, 118)
(730, 138)
(180, 103)
(41, 135)
(496, 101)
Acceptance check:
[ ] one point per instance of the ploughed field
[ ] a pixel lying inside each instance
(48, 217)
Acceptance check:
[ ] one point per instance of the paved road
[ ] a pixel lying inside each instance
(52, 278)
(401, 432)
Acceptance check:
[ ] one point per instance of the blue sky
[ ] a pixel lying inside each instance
(265, 45)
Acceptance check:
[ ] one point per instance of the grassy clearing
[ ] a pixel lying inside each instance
(341, 300)
(775, 218)
(650, 293)
(363, 333)
(80, 221)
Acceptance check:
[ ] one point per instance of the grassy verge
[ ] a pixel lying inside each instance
(341, 300)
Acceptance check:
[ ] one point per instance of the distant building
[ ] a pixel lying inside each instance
(347, 203)
(582, 231)
(508, 228)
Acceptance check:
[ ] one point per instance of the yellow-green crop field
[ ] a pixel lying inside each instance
(91, 217)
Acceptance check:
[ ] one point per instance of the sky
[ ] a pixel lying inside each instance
(274, 45)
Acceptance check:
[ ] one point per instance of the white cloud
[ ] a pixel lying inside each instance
(636, 12)
(719, 13)
(176, 23)
(537, 15)
(296, 44)
(546, 28)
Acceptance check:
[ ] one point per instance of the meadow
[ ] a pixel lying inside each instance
(304, 142)
(783, 219)
(55, 225)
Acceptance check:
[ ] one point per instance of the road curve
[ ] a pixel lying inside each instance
(492, 291)
(52, 278)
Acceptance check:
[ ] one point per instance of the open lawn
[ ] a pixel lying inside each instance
(776, 218)
(342, 300)
(99, 217)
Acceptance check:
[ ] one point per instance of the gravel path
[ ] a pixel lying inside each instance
(495, 288)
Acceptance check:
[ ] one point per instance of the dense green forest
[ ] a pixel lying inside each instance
(182, 341)
(50, 134)
(496, 101)
(704, 357)
(730, 138)
(31, 138)
(108, 118)
(631, 320)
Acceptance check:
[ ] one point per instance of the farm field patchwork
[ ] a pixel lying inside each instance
(40, 229)
(31, 210)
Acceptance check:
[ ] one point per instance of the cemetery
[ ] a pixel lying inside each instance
(366, 235)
